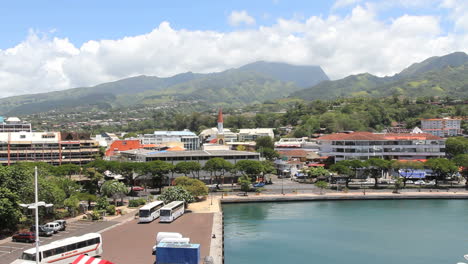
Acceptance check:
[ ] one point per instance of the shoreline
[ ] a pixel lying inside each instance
(345, 197)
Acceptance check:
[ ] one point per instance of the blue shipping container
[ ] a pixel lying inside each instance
(177, 253)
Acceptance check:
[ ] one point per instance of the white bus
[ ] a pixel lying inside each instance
(64, 251)
(172, 211)
(150, 212)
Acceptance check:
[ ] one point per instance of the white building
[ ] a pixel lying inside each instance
(442, 127)
(254, 133)
(365, 145)
(14, 124)
(190, 139)
(210, 134)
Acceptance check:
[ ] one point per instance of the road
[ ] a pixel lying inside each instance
(132, 243)
(12, 250)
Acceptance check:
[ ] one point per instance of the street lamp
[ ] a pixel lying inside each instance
(35, 206)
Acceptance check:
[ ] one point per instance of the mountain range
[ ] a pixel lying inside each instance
(251, 83)
(436, 76)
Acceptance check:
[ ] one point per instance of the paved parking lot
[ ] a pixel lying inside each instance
(132, 243)
(12, 250)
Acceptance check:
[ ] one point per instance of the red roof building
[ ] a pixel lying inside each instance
(365, 145)
(123, 145)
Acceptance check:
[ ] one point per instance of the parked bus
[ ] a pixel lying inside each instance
(172, 211)
(64, 251)
(150, 211)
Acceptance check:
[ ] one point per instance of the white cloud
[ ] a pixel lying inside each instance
(237, 18)
(356, 43)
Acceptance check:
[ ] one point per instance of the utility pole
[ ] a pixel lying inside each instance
(37, 214)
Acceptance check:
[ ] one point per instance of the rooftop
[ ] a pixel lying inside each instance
(197, 153)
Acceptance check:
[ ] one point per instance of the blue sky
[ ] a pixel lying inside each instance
(54, 45)
(85, 20)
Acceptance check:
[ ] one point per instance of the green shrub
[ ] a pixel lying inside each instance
(102, 203)
(136, 202)
(96, 214)
(110, 210)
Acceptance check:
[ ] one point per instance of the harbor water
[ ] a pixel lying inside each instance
(351, 232)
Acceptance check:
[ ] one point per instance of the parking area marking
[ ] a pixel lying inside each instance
(11, 247)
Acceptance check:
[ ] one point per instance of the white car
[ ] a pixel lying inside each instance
(410, 181)
(54, 226)
(420, 182)
(431, 183)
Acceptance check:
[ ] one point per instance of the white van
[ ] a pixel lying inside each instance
(54, 226)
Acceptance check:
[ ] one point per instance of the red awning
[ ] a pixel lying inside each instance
(82, 259)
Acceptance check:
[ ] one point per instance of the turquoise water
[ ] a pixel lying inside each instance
(351, 232)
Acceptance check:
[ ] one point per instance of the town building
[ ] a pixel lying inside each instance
(190, 140)
(14, 124)
(52, 147)
(254, 133)
(200, 156)
(442, 127)
(365, 145)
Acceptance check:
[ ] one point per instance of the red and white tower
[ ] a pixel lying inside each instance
(220, 136)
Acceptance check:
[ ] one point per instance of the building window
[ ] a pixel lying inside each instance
(22, 136)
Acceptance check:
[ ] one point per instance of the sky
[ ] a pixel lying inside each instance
(55, 44)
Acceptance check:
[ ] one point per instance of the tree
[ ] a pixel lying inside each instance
(406, 169)
(188, 167)
(456, 145)
(374, 168)
(244, 183)
(70, 187)
(94, 176)
(158, 170)
(176, 193)
(218, 167)
(10, 213)
(114, 189)
(264, 142)
(322, 185)
(317, 172)
(86, 197)
(461, 160)
(343, 171)
(269, 154)
(441, 168)
(195, 187)
(72, 203)
(251, 168)
(66, 170)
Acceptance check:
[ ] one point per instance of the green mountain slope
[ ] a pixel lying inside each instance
(252, 83)
(436, 76)
(302, 76)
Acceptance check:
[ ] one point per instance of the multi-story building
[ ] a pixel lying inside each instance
(190, 140)
(14, 124)
(442, 127)
(52, 147)
(365, 145)
(254, 133)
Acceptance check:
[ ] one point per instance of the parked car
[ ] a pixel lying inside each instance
(431, 182)
(24, 237)
(62, 223)
(54, 226)
(420, 182)
(43, 230)
(137, 188)
(409, 181)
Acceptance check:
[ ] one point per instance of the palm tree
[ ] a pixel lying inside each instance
(113, 189)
